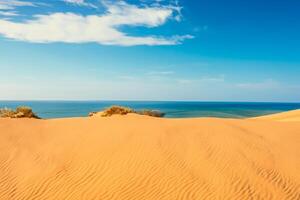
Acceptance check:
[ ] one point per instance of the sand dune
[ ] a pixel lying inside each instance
(138, 157)
(285, 116)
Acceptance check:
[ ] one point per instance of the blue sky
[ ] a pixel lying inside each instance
(150, 50)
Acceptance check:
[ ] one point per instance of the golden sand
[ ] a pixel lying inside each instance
(286, 116)
(138, 157)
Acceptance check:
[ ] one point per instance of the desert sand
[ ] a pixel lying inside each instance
(138, 157)
(285, 116)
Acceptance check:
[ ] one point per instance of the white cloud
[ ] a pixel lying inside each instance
(80, 3)
(75, 1)
(220, 78)
(264, 85)
(11, 4)
(102, 29)
(161, 73)
(8, 13)
(201, 80)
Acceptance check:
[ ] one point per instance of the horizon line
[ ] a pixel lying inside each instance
(116, 100)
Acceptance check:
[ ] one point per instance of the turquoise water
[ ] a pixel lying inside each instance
(61, 109)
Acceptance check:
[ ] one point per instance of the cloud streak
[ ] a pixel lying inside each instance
(207, 79)
(12, 4)
(102, 29)
(8, 13)
(265, 85)
(80, 3)
(161, 73)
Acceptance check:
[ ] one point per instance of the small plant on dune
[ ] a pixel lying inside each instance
(120, 110)
(91, 114)
(20, 112)
(152, 113)
(26, 112)
(6, 112)
(116, 110)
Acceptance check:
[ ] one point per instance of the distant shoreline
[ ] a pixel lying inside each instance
(184, 109)
(166, 101)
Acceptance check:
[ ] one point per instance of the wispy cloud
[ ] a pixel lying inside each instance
(220, 78)
(162, 73)
(80, 3)
(102, 29)
(127, 77)
(8, 13)
(205, 79)
(264, 85)
(12, 4)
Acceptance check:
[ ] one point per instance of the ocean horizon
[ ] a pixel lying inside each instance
(173, 109)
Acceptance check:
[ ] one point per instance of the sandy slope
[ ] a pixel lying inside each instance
(285, 116)
(138, 157)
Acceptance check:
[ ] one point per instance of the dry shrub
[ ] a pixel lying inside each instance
(91, 114)
(20, 112)
(152, 113)
(120, 110)
(6, 112)
(26, 112)
(116, 110)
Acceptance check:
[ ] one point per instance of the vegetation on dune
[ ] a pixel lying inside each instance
(116, 110)
(20, 112)
(120, 110)
(26, 112)
(6, 112)
(152, 113)
(91, 114)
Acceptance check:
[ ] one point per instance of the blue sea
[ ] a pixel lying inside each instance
(62, 109)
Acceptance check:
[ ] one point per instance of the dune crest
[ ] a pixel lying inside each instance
(293, 115)
(140, 157)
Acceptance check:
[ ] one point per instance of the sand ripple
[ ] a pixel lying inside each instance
(138, 157)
